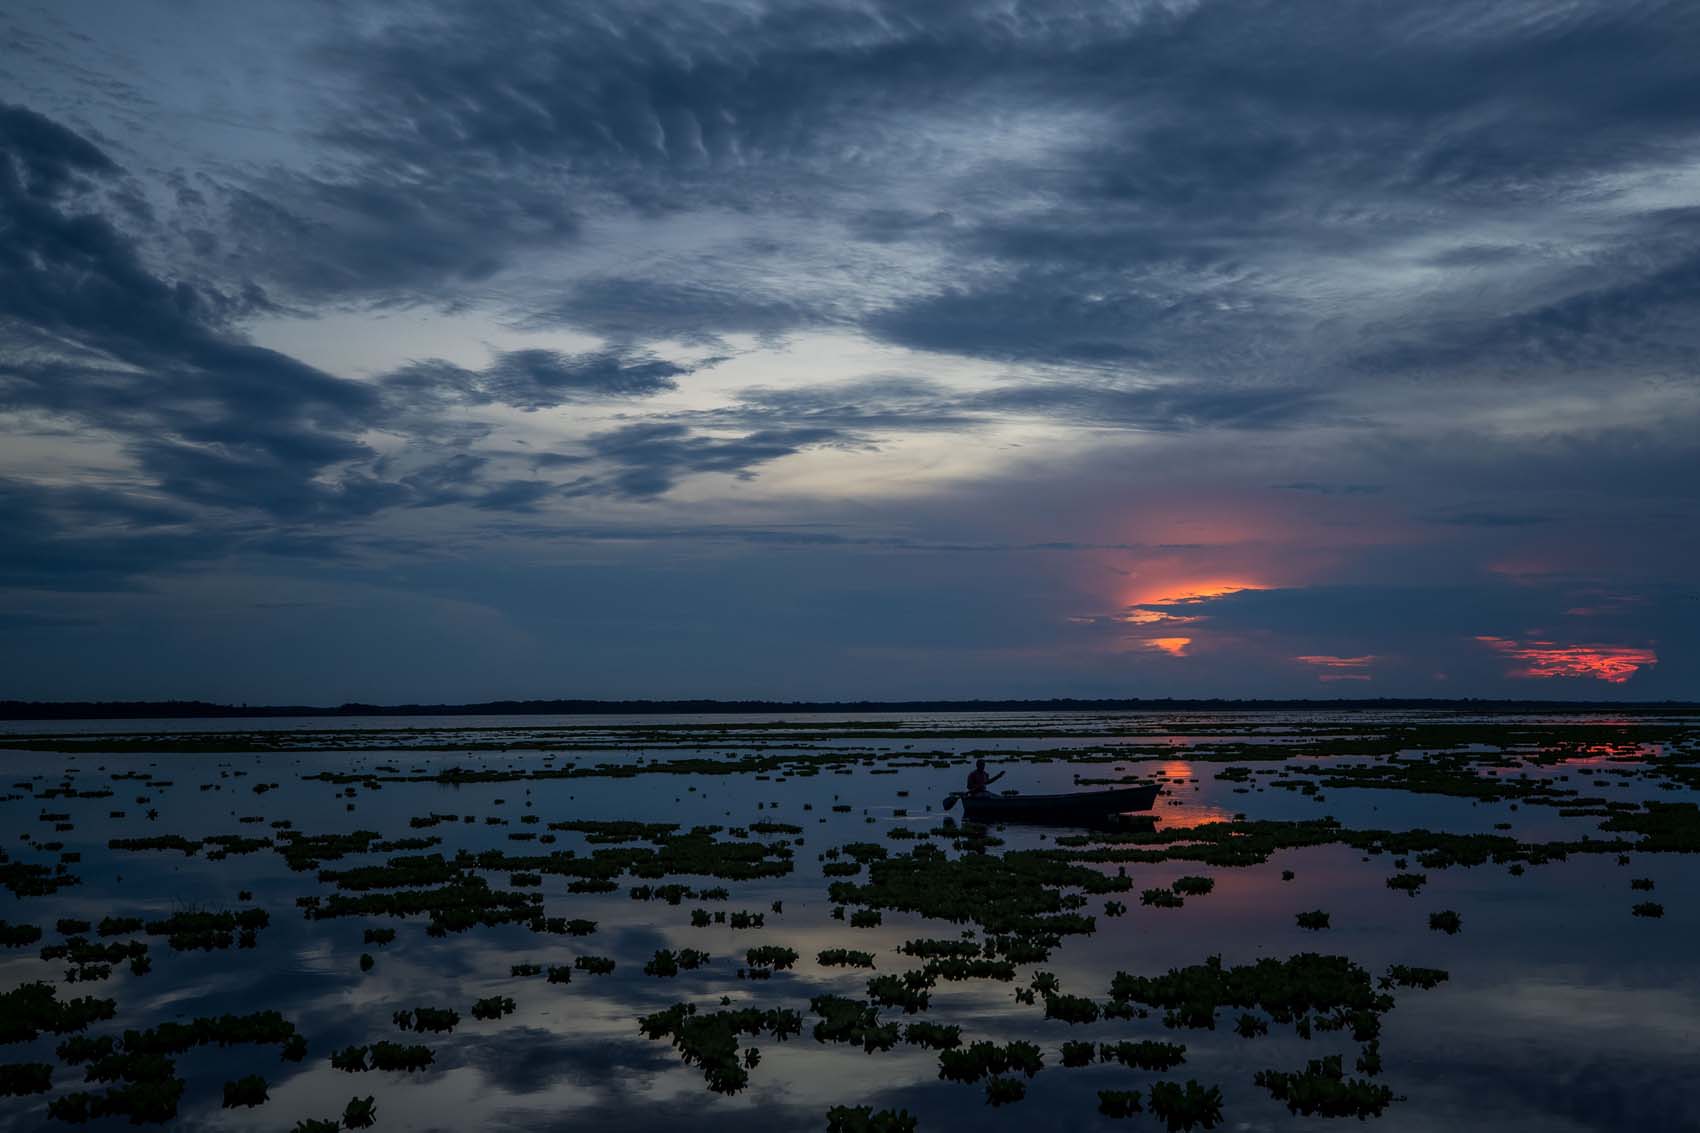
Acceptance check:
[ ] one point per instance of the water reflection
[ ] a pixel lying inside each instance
(1561, 1011)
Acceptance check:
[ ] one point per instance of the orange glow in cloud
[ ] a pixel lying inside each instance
(1173, 646)
(1141, 617)
(1544, 659)
(1172, 591)
(1339, 668)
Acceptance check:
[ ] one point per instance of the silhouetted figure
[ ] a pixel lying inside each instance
(979, 781)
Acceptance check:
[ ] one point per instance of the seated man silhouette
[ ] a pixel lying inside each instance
(979, 781)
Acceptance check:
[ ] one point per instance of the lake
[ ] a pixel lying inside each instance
(1433, 921)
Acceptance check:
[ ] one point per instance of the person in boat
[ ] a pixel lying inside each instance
(979, 783)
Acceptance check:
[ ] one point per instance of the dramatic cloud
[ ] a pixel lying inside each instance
(876, 348)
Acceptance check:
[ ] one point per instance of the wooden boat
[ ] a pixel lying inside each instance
(1076, 807)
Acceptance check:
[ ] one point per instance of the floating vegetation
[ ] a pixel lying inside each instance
(852, 1021)
(1251, 1026)
(987, 1059)
(711, 1040)
(1071, 1008)
(1019, 894)
(771, 956)
(1118, 1103)
(1648, 909)
(1402, 975)
(493, 1007)
(1186, 1107)
(1446, 921)
(20, 1078)
(193, 930)
(32, 1008)
(996, 911)
(436, 1020)
(907, 990)
(865, 1119)
(667, 962)
(245, 1091)
(1161, 898)
(934, 1036)
(148, 1089)
(1408, 882)
(397, 1057)
(18, 935)
(1322, 1088)
(360, 1113)
(1288, 990)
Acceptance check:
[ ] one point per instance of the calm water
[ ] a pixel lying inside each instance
(1561, 1010)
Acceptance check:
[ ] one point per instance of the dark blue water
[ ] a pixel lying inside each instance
(1561, 1011)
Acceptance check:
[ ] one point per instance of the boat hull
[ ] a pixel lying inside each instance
(1079, 807)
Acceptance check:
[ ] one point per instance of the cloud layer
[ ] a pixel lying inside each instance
(898, 349)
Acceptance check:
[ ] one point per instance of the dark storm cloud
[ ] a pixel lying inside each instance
(94, 335)
(1200, 156)
(1295, 289)
(89, 539)
(649, 459)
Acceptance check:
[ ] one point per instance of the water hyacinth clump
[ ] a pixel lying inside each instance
(865, 1119)
(493, 1007)
(1189, 1106)
(246, 1091)
(1322, 1088)
(710, 1041)
(1118, 1103)
(978, 943)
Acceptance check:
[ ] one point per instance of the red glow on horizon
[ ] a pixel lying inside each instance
(1173, 646)
(1339, 668)
(1542, 660)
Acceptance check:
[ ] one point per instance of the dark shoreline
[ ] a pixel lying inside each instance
(203, 710)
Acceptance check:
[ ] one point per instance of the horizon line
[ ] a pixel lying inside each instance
(23, 710)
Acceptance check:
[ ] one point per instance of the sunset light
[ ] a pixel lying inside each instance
(1543, 659)
(1339, 668)
(1196, 590)
(978, 538)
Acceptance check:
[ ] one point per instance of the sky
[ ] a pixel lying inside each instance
(454, 350)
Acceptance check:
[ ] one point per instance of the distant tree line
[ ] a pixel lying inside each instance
(200, 709)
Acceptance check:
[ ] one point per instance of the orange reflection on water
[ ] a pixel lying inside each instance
(1173, 646)
(1545, 659)
(1188, 814)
